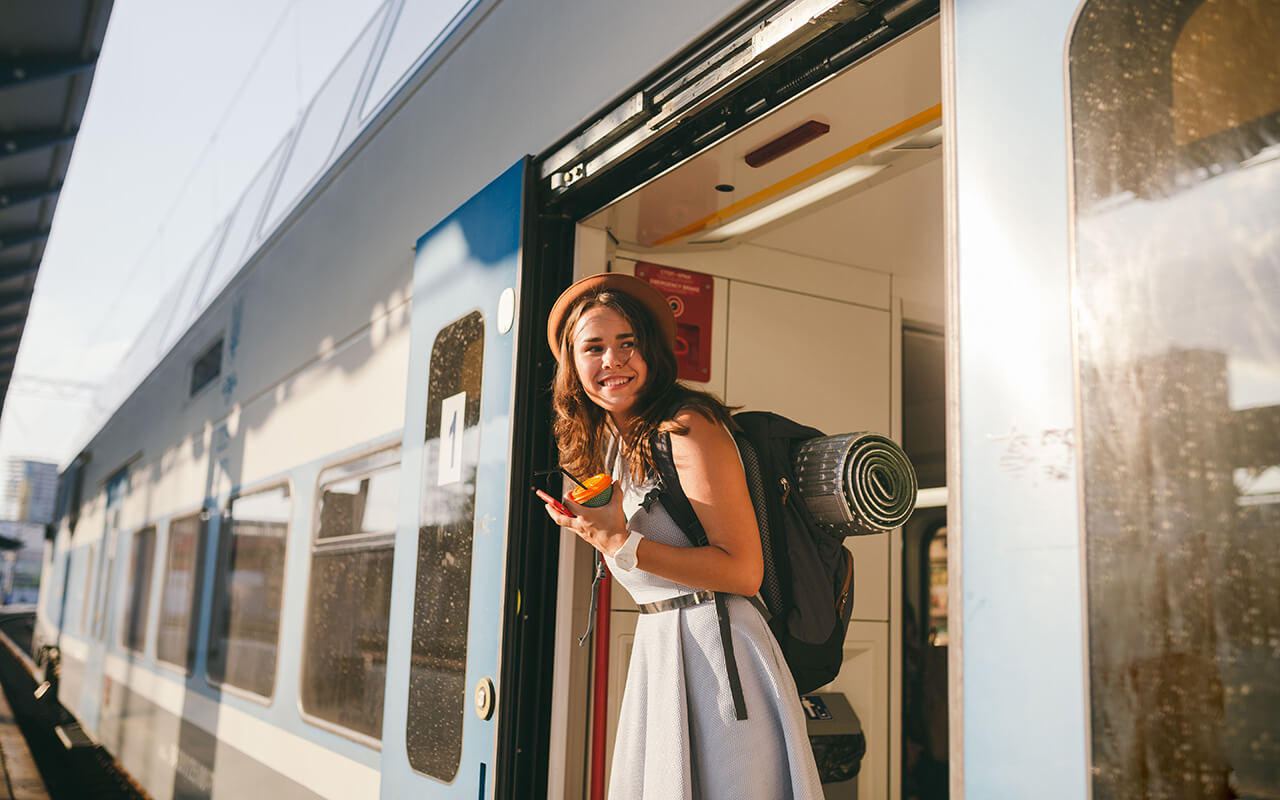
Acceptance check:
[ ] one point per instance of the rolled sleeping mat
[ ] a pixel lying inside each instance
(856, 483)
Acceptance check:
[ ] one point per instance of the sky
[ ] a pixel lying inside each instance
(187, 102)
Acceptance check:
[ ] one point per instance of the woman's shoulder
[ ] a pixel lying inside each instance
(692, 406)
(691, 414)
(698, 428)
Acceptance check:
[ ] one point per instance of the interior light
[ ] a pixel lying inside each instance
(794, 202)
(925, 141)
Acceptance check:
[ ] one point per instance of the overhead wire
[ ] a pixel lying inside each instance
(114, 306)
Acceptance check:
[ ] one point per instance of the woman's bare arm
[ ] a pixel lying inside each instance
(706, 459)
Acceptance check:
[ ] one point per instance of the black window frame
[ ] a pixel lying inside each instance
(198, 382)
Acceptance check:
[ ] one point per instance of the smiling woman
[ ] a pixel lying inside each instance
(615, 391)
(610, 370)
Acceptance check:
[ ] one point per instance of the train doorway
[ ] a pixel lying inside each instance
(806, 252)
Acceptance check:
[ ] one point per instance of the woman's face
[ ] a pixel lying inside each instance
(608, 360)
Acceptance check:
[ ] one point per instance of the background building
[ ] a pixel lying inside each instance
(30, 491)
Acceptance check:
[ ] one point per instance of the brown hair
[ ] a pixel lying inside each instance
(582, 427)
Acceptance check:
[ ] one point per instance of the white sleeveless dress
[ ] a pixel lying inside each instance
(678, 737)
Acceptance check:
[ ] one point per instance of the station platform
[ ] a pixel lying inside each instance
(44, 755)
(19, 777)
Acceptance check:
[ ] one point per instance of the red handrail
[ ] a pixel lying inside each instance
(600, 687)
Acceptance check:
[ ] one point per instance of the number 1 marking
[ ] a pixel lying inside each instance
(452, 430)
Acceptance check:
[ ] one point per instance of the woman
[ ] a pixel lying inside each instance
(679, 735)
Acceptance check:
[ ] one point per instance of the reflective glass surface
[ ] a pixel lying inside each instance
(1176, 136)
(86, 566)
(178, 592)
(344, 663)
(244, 633)
(141, 558)
(360, 501)
(438, 694)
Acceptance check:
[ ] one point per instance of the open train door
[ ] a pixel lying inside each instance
(1114, 397)
(440, 730)
(1017, 658)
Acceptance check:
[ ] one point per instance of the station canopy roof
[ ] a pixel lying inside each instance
(48, 51)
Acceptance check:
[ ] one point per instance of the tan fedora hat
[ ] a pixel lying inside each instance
(645, 294)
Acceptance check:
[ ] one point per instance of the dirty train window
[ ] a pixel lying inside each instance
(1176, 143)
(442, 598)
(344, 659)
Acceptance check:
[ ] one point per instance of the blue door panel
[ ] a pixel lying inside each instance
(447, 591)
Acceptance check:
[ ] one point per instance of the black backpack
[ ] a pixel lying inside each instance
(808, 572)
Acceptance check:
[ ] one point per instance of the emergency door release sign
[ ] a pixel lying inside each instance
(691, 295)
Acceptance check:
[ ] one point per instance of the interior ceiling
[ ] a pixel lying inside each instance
(48, 51)
(890, 223)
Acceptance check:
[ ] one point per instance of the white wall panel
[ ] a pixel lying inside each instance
(819, 361)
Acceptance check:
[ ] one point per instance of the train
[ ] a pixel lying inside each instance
(1029, 241)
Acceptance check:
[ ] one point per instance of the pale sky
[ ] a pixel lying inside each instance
(188, 100)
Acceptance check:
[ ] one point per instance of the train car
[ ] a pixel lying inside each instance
(1028, 240)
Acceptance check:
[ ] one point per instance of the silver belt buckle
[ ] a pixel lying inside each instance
(683, 601)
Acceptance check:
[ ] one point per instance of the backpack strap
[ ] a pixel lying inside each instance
(671, 495)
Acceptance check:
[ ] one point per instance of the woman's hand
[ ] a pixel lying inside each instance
(604, 528)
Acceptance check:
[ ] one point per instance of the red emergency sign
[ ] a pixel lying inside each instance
(691, 295)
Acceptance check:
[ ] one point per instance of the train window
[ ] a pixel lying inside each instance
(442, 598)
(141, 556)
(207, 367)
(179, 591)
(88, 557)
(1176, 145)
(344, 661)
(116, 489)
(245, 630)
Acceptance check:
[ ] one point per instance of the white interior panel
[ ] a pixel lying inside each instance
(864, 681)
(818, 361)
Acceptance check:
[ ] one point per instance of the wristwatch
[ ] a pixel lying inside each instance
(625, 558)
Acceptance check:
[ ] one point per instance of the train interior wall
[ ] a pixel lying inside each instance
(809, 316)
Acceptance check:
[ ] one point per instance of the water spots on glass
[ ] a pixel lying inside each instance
(249, 590)
(349, 596)
(1175, 114)
(446, 525)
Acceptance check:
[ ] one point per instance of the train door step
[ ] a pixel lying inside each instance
(73, 736)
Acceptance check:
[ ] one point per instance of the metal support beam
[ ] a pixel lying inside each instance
(17, 195)
(17, 72)
(21, 237)
(19, 142)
